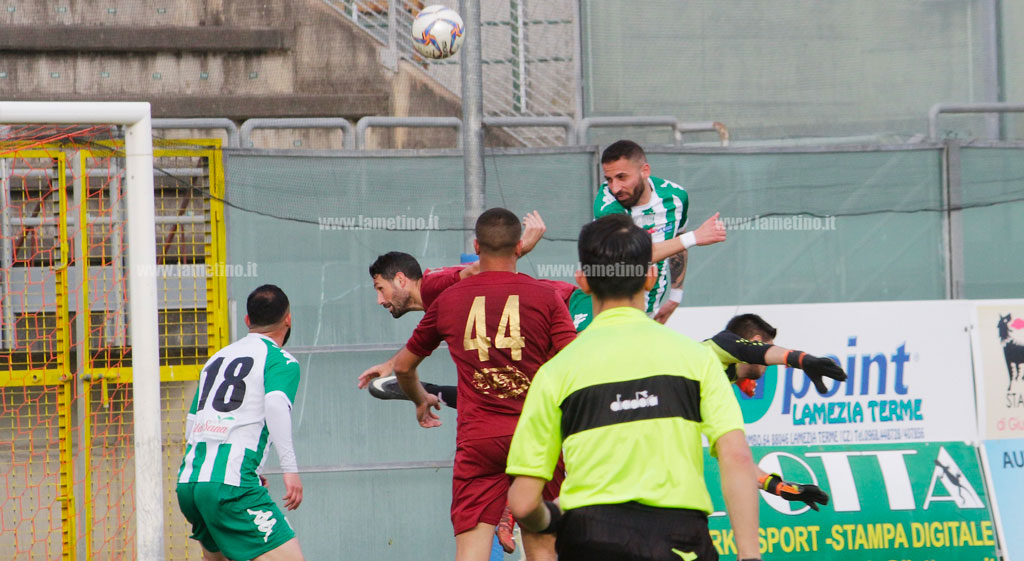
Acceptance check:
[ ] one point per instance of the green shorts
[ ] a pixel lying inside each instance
(240, 522)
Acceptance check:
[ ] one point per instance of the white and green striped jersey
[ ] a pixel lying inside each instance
(664, 217)
(229, 439)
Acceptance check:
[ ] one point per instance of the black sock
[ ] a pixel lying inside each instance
(448, 394)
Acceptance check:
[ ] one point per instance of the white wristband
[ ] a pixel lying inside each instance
(689, 240)
(675, 295)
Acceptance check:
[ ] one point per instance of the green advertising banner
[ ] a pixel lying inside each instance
(900, 502)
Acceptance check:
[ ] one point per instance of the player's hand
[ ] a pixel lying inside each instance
(375, 371)
(711, 231)
(533, 231)
(812, 495)
(427, 418)
(292, 491)
(264, 482)
(665, 311)
(817, 367)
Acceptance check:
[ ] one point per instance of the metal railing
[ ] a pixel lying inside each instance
(397, 122)
(354, 136)
(678, 129)
(209, 124)
(939, 108)
(708, 126)
(347, 130)
(561, 122)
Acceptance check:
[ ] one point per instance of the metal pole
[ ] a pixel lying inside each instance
(954, 221)
(7, 250)
(993, 85)
(518, 30)
(472, 119)
(577, 63)
(389, 56)
(81, 309)
(145, 338)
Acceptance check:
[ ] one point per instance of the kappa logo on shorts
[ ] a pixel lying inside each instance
(578, 319)
(264, 521)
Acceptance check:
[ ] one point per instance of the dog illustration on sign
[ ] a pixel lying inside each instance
(1013, 351)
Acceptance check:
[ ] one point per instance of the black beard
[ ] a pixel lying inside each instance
(636, 195)
(287, 334)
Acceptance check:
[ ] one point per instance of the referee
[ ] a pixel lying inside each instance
(626, 403)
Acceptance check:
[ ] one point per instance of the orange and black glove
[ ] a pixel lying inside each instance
(810, 494)
(816, 368)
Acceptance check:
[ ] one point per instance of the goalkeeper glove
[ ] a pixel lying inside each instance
(816, 368)
(810, 494)
(747, 386)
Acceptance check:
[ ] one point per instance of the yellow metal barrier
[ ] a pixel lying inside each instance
(65, 376)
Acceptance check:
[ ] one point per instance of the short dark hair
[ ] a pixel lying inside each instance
(498, 231)
(615, 254)
(749, 325)
(394, 262)
(266, 305)
(623, 149)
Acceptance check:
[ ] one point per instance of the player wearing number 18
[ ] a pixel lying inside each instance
(500, 327)
(242, 405)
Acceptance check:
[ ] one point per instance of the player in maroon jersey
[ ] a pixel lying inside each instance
(402, 287)
(500, 327)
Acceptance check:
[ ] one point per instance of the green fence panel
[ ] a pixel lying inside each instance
(993, 199)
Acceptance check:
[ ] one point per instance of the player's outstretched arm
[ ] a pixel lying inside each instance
(817, 368)
(405, 370)
(712, 231)
(810, 494)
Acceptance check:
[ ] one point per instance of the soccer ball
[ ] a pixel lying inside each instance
(437, 32)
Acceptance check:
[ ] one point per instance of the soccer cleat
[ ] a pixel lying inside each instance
(504, 531)
(387, 388)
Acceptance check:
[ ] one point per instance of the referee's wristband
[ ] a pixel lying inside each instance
(675, 295)
(556, 517)
(689, 240)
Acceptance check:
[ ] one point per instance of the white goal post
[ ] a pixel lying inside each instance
(142, 290)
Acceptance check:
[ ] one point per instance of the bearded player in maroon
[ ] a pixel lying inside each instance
(500, 327)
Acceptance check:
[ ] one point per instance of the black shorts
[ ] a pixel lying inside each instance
(634, 532)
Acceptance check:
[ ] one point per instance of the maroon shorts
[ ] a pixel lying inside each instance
(480, 484)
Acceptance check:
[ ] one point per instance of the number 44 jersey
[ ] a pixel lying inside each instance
(227, 434)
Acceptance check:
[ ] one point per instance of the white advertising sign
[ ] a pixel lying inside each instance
(908, 365)
(999, 356)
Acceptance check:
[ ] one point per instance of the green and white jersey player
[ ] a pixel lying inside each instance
(660, 207)
(242, 406)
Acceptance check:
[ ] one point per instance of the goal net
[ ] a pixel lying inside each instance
(68, 438)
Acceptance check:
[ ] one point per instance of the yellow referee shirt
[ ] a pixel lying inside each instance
(626, 402)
